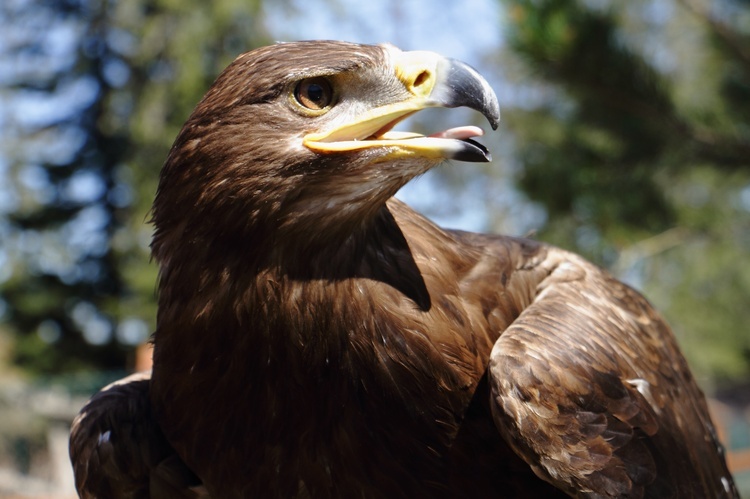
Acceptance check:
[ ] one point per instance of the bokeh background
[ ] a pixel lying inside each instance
(625, 137)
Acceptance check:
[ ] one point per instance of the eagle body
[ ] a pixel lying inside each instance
(317, 338)
(355, 387)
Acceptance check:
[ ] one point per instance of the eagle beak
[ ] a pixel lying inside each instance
(429, 80)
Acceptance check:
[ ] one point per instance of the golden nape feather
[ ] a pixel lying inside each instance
(317, 338)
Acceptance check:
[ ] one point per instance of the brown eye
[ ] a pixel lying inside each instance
(314, 93)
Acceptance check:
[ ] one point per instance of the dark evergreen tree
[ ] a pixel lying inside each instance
(73, 272)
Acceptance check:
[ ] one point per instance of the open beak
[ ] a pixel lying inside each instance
(431, 81)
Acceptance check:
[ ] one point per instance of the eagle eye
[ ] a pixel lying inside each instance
(315, 94)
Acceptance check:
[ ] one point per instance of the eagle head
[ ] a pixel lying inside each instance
(296, 140)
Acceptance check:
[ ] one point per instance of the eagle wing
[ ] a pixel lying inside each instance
(118, 451)
(590, 389)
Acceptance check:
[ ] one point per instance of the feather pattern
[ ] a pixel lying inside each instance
(589, 386)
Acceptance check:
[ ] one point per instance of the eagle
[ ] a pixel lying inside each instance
(318, 338)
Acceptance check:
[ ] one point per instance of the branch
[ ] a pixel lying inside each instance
(722, 30)
(650, 247)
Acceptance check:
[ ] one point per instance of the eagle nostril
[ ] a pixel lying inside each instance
(421, 79)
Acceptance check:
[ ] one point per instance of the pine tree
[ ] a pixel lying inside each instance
(68, 276)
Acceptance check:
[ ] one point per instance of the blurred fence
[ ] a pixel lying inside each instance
(733, 425)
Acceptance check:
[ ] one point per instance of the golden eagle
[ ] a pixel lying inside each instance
(318, 338)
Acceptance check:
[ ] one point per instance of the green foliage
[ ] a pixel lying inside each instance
(642, 164)
(703, 281)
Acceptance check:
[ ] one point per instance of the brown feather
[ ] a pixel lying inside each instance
(589, 383)
(119, 452)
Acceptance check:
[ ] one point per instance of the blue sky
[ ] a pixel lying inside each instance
(457, 29)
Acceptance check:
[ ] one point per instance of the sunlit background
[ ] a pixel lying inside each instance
(625, 137)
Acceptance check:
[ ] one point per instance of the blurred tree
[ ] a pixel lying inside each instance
(636, 142)
(68, 274)
(100, 89)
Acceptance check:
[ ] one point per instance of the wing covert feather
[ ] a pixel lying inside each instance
(589, 387)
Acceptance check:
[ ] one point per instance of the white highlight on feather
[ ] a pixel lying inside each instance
(104, 437)
(139, 376)
(644, 388)
(725, 483)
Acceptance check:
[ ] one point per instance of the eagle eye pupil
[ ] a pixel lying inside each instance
(314, 93)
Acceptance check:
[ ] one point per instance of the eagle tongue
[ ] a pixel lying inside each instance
(459, 133)
(469, 150)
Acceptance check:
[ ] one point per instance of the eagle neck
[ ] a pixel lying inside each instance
(376, 249)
